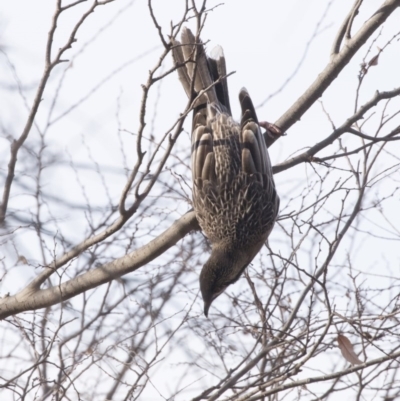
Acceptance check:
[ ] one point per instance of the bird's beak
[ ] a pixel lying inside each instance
(206, 308)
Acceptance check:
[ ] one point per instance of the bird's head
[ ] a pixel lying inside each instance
(223, 268)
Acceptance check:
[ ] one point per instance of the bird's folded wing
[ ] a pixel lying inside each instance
(255, 158)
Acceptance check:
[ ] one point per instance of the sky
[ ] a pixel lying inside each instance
(98, 90)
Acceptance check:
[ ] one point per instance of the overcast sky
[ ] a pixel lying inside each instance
(265, 43)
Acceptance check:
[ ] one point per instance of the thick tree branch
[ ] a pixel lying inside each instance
(31, 298)
(336, 65)
(345, 127)
(316, 89)
(344, 27)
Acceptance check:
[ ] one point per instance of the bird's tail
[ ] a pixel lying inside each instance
(190, 55)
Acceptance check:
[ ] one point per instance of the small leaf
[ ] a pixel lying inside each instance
(374, 60)
(347, 350)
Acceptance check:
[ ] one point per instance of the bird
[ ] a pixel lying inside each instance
(233, 193)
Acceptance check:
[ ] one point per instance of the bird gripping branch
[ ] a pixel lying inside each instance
(234, 195)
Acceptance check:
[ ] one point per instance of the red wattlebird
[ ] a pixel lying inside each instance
(234, 195)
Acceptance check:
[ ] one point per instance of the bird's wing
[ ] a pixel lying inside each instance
(255, 158)
(256, 162)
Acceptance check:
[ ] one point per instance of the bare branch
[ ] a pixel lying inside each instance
(32, 298)
(345, 127)
(336, 65)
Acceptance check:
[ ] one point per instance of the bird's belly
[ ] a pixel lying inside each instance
(236, 215)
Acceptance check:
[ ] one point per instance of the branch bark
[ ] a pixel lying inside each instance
(338, 62)
(32, 298)
(345, 127)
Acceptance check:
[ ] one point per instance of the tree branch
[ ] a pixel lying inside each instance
(31, 298)
(307, 155)
(336, 65)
